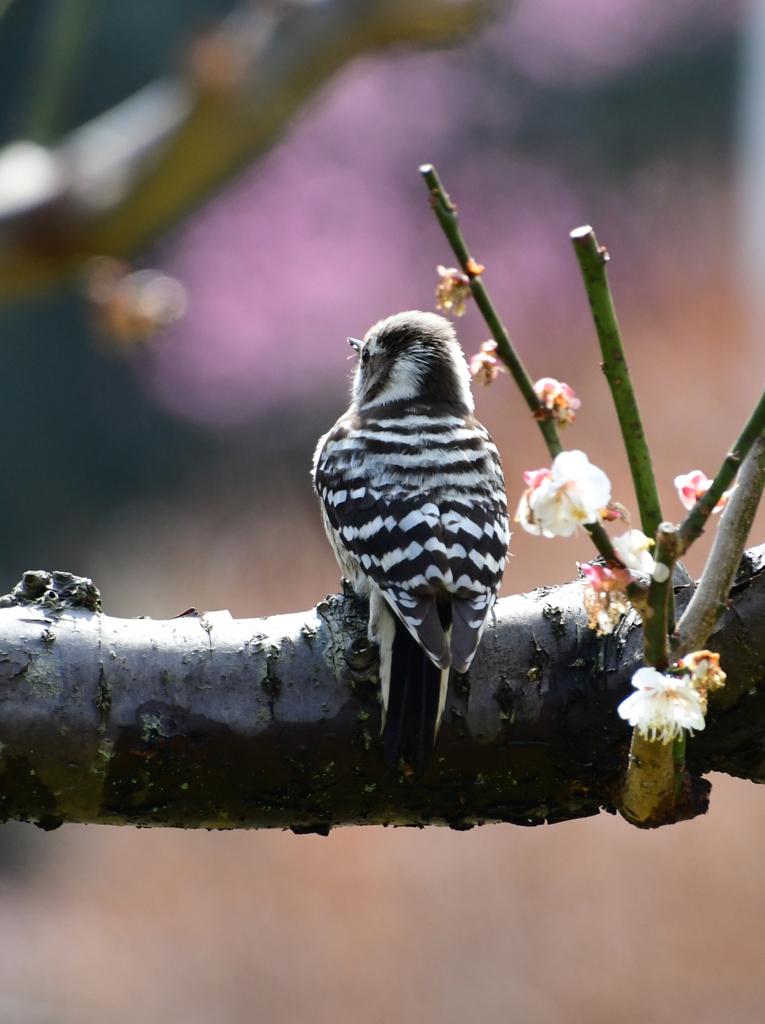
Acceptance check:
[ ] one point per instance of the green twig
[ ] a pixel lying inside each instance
(602, 542)
(693, 525)
(592, 260)
(656, 615)
(709, 600)
(446, 212)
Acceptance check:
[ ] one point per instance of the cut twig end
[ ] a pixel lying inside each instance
(669, 540)
(580, 233)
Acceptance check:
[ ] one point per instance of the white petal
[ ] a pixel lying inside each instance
(633, 549)
(660, 572)
(662, 706)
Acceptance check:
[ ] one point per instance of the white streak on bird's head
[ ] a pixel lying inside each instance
(409, 357)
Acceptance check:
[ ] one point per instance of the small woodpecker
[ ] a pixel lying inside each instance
(413, 501)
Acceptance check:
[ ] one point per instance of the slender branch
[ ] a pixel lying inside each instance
(655, 620)
(592, 260)
(693, 525)
(446, 212)
(679, 750)
(709, 601)
(602, 542)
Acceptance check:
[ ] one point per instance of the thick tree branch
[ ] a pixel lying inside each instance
(221, 723)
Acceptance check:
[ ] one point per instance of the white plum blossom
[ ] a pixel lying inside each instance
(662, 706)
(633, 548)
(533, 478)
(558, 500)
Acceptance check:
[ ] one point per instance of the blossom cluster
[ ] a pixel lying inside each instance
(572, 493)
(664, 705)
(559, 401)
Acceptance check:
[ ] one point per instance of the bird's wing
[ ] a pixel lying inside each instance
(469, 618)
(412, 548)
(476, 536)
(399, 544)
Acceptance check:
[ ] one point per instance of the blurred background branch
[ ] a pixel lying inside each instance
(56, 60)
(114, 184)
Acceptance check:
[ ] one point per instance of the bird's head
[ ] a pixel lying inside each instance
(411, 357)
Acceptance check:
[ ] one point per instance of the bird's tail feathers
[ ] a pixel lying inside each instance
(416, 698)
(384, 625)
(470, 617)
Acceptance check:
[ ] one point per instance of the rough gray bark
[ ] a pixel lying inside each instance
(221, 723)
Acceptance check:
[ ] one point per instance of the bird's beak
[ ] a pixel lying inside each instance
(355, 344)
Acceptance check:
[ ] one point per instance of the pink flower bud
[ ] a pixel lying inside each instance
(604, 578)
(535, 477)
(705, 673)
(484, 365)
(558, 401)
(691, 486)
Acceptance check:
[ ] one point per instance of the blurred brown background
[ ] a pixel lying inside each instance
(176, 473)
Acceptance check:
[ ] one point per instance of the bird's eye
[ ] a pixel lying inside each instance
(365, 355)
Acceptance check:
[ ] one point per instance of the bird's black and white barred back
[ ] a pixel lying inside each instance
(414, 505)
